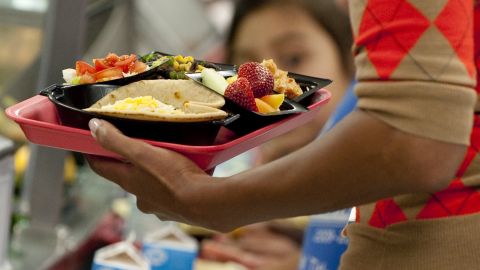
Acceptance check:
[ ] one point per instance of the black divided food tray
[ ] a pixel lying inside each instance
(70, 101)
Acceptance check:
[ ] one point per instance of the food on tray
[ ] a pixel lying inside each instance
(283, 83)
(178, 65)
(270, 103)
(162, 100)
(214, 81)
(175, 66)
(263, 107)
(241, 93)
(104, 69)
(230, 80)
(275, 100)
(142, 104)
(253, 87)
(259, 77)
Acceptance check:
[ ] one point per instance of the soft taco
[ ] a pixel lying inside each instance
(174, 101)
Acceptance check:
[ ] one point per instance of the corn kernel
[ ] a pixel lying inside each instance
(176, 66)
(180, 58)
(199, 68)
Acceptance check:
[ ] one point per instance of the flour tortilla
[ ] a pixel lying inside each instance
(198, 103)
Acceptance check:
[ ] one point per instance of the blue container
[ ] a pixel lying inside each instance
(103, 267)
(119, 256)
(323, 242)
(163, 257)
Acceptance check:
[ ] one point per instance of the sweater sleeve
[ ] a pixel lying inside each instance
(415, 65)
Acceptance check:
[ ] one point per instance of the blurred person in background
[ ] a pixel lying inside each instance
(318, 44)
(305, 37)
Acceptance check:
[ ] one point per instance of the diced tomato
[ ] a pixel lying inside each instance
(108, 74)
(127, 58)
(109, 68)
(100, 64)
(137, 67)
(87, 78)
(112, 58)
(81, 67)
(125, 61)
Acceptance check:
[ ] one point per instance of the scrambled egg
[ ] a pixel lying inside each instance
(143, 104)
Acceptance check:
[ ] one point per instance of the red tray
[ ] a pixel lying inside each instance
(38, 118)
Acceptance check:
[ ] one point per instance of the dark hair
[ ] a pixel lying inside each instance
(325, 12)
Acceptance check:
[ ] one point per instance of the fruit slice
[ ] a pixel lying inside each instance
(264, 107)
(259, 77)
(241, 93)
(230, 80)
(275, 101)
(214, 81)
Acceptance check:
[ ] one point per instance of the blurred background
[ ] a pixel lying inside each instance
(92, 213)
(195, 27)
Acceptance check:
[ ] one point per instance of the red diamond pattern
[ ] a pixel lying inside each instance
(388, 33)
(386, 212)
(471, 204)
(471, 153)
(457, 199)
(477, 41)
(459, 11)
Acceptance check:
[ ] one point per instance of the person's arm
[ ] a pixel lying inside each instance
(359, 161)
(288, 142)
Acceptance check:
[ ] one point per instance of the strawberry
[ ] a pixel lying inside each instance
(259, 77)
(241, 93)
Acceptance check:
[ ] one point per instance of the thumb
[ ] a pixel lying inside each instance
(138, 152)
(110, 138)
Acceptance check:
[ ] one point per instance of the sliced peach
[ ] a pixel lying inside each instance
(232, 79)
(274, 100)
(263, 107)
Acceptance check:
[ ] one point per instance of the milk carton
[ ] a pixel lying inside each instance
(170, 248)
(324, 243)
(119, 256)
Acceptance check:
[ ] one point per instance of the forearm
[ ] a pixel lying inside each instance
(360, 161)
(288, 143)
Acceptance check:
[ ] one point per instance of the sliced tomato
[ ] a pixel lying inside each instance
(100, 64)
(137, 67)
(87, 78)
(108, 74)
(112, 58)
(82, 67)
(125, 61)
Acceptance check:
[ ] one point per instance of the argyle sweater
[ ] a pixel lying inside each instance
(417, 68)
